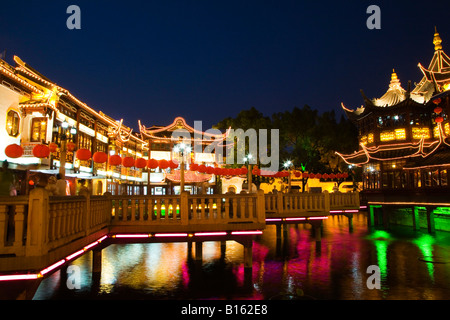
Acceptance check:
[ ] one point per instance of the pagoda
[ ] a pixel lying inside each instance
(404, 137)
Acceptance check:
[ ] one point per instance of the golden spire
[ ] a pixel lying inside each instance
(437, 40)
(394, 75)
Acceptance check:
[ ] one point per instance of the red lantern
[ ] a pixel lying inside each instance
(153, 164)
(163, 164)
(14, 151)
(244, 170)
(305, 175)
(201, 168)
(339, 176)
(193, 166)
(41, 151)
(115, 160)
(318, 176)
(100, 157)
(70, 146)
(128, 162)
(256, 171)
(325, 176)
(312, 175)
(439, 119)
(297, 174)
(141, 163)
(437, 110)
(345, 175)
(437, 101)
(173, 164)
(217, 171)
(83, 154)
(209, 170)
(53, 147)
(332, 176)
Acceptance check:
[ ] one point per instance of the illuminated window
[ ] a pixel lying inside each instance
(364, 140)
(444, 178)
(370, 138)
(387, 136)
(12, 123)
(419, 132)
(39, 129)
(400, 134)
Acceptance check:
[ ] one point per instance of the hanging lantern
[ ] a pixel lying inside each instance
(173, 164)
(53, 147)
(318, 176)
(312, 175)
(83, 154)
(14, 151)
(201, 168)
(244, 170)
(209, 170)
(325, 176)
(439, 119)
(297, 174)
(437, 110)
(339, 175)
(153, 164)
(115, 160)
(437, 101)
(217, 171)
(100, 157)
(345, 175)
(128, 162)
(305, 175)
(163, 164)
(256, 171)
(41, 151)
(332, 176)
(141, 163)
(70, 146)
(193, 166)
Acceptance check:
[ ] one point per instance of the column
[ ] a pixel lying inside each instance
(430, 219)
(415, 217)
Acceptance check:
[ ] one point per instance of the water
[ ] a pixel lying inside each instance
(413, 265)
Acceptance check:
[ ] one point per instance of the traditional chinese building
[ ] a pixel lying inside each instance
(177, 140)
(405, 138)
(36, 111)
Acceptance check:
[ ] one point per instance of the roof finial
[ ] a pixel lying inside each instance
(394, 75)
(437, 40)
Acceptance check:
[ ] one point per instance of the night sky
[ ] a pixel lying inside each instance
(208, 60)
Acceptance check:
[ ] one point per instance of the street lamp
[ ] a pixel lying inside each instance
(247, 159)
(184, 150)
(288, 165)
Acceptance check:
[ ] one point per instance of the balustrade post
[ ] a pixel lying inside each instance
(87, 215)
(37, 228)
(19, 223)
(260, 206)
(280, 205)
(184, 207)
(326, 200)
(3, 224)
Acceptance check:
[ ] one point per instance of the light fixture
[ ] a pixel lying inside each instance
(65, 125)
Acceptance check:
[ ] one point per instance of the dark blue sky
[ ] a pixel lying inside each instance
(207, 60)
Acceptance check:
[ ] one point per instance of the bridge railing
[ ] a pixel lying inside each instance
(13, 214)
(188, 211)
(297, 203)
(349, 200)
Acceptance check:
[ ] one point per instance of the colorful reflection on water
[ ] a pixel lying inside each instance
(413, 265)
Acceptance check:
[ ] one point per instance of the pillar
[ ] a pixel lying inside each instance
(430, 219)
(415, 217)
(248, 254)
(371, 216)
(350, 220)
(96, 260)
(198, 251)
